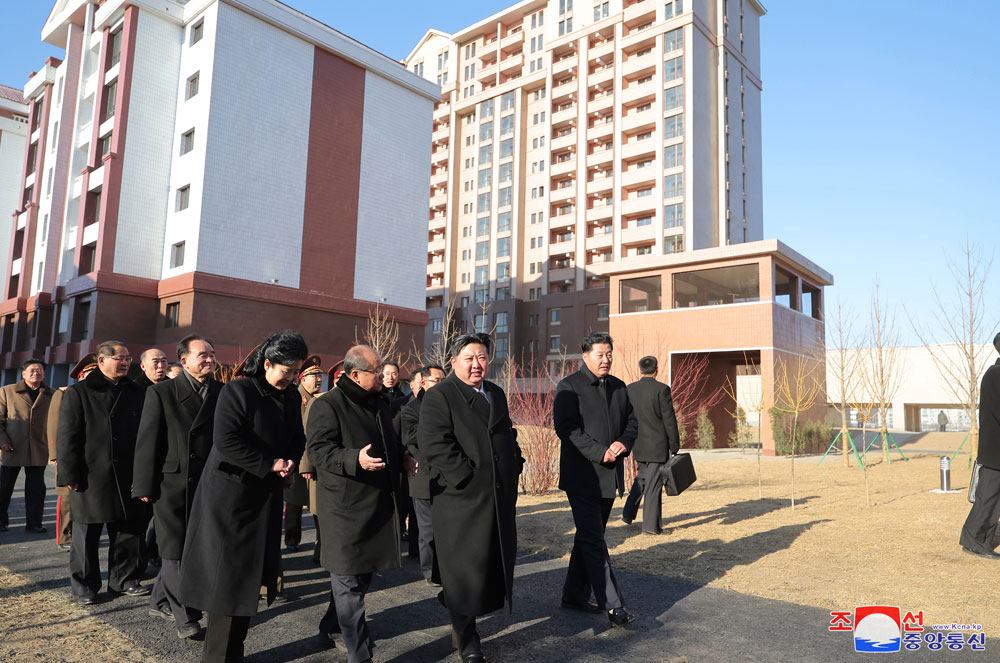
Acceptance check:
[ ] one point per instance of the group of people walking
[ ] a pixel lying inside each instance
(213, 465)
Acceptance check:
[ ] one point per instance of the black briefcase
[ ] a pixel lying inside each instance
(678, 474)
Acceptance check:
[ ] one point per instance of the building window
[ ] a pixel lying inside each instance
(555, 316)
(642, 193)
(485, 131)
(673, 156)
(464, 302)
(483, 203)
(673, 126)
(713, 287)
(173, 315)
(197, 31)
(673, 69)
(503, 222)
(673, 40)
(503, 247)
(177, 255)
(116, 47)
(436, 325)
(601, 10)
(482, 275)
(506, 172)
(480, 322)
(485, 154)
(503, 272)
(486, 109)
(671, 9)
(191, 88)
(602, 311)
(504, 198)
(500, 322)
(644, 250)
(485, 178)
(643, 221)
(482, 296)
(110, 99)
(673, 97)
(673, 244)
(183, 197)
(507, 102)
(187, 141)
(640, 294)
(483, 250)
(554, 344)
(506, 125)
(483, 226)
(673, 185)
(673, 215)
(506, 148)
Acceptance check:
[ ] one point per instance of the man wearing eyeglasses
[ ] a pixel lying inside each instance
(98, 423)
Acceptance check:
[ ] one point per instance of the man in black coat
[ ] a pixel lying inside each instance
(981, 525)
(658, 438)
(354, 451)
(420, 483)
(470, 446)
(597, 428)
(175, 438)
(153, 364)
(98, 422)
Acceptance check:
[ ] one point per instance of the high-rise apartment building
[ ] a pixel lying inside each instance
(13, 133)
(572, 134)
(227, 168)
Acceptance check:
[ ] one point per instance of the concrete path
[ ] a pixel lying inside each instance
(677, 621)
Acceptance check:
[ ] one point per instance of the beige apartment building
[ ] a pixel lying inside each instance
(571, 135)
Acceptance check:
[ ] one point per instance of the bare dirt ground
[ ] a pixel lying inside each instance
(831, 551)
(40, 625)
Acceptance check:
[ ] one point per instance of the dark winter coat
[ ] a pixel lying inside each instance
(588, 420)
(989, 418)
(95, 448)
(175, 438)
(355, 505)
(472, 445)
(409, 417)
(233, 543)
(658, 437)
(23, 425)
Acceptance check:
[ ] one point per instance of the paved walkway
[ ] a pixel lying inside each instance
(677, 621)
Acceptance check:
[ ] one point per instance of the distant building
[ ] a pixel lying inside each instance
(229, 168)
(13, 134)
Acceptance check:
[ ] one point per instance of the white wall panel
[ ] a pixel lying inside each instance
(257, 144)
(393, 195)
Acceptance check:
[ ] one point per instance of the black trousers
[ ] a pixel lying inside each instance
(425, 540)
(981, 525)
(648, 489)
(293, 524)
(34, 493)
(590, 570)
(123, 557)
(224, 638)
(164, 594)
(464, 636)
(346, 615)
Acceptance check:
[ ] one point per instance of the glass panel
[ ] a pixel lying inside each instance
(640, 294)
(712, 287)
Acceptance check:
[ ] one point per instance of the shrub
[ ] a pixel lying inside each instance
(704, 430)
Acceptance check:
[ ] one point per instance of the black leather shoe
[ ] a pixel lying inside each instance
(280, 599)
(36, 530)
(332, 640)
(619, 617)
(627, 521)
(135, 590)
(292, 547)
(473, 657)
(988, 555)
(162, 613)
(86, 599)
(582, 606)
(432, 583)
(653, 533)
(189, 631)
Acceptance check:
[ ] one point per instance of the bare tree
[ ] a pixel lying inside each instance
(381, 333)
(530, 400)
(960, 317)
(882, 365)
(437, 353)
(752, 402)
(865, 411)
(796, 388)
(842, 364)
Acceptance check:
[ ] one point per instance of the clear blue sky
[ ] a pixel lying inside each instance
(880, 138)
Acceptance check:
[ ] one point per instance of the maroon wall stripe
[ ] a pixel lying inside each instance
(330, 215)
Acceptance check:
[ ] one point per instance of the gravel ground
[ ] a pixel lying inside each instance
(678, 621)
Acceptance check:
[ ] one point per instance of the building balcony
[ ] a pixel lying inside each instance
(600, 185)
(599, 105)
(439, 178)
(562, 167)
(436, 269)
(512, 63)
(488, 73)
(639, 92)
(439, 200)
(90, 233)
(600, 213)
(435, 287)
(562, 92)
(599, 241)
(564, 275)
(563, 66)
(603, 51)
(84, 135)
(640, 12)
(512, 40)
(562, 142)
(636, 176)
(635, 206)
(557, 221)
(560, 116)
(15, 266)
(441, 134)
(639, 148)
(600, 132)
(600, 158)
(437, 223)
(440, 155)
(640, 65)
(602, 77)
(638, 120)
(560, 196)
(566, 248)
(436, 245)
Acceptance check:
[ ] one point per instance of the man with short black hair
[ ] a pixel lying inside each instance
(656, 441)
(597, 428)
(981, 524)
(24, 407)
(153, 363)
(174, 439)
(98, 422)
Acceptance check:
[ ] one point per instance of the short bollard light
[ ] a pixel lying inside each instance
(945, 474)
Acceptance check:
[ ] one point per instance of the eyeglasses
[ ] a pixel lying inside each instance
(374, 371)
(119, 358)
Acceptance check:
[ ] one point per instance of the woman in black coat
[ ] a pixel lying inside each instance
(233, 543)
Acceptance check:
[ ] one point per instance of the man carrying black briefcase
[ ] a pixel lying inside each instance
(658, 439)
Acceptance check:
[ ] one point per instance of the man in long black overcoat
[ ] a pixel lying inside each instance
(95, 445)
(657, 440)
(354, 451)
(175, 438)
(467, 438)
(981, 524)
(597, 428)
